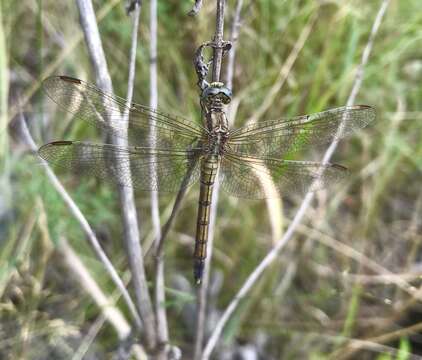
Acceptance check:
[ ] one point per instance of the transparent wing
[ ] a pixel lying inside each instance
(89, 103)
(278, 137)
(150, 169)
(252, 177)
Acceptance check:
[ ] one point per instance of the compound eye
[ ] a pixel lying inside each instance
(225, 99)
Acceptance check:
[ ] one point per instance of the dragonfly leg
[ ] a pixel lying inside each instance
(202, 66)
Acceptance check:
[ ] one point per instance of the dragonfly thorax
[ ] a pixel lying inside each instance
(216, 139)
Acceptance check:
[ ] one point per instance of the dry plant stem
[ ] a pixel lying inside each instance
(78, 269)
(218, 41)
(132, 61)
(128, 209)
(196, 8)
(27, 138)
(202, 291)
(216, 190)
(93, 330)
(356, 345)
(271, 256)
(177, 202)
(234, 34)
(160, 299)
(385, 275)
(89, 337)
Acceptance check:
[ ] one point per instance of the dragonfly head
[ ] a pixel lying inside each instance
(216, 91)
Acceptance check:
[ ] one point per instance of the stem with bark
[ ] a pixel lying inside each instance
(202, 291)
(126, 196)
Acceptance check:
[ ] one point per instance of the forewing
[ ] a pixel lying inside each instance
(277, 138)
(89, 103)
(143, 168)
(259, 178)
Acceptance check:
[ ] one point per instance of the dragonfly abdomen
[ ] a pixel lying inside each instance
(209, 167)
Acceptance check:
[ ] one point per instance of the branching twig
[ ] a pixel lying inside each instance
(265, 263)
(28, 140)
(130, 223)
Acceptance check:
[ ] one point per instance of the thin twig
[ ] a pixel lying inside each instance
(128, 212)
(369, 263)
(272, 255)
(159, 250)
(93, 330)
(218, 41)
(216, 191)
(78, 269)
(234, 34)
(356, 345)
(202, 291)
(196, 8)
(132, 60)
(92, 238)
(160, 296)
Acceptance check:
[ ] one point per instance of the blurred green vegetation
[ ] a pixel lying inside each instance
(322, 294)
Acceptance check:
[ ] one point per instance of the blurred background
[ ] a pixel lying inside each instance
(347, 286)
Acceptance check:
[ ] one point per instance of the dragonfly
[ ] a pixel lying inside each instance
(167, 153)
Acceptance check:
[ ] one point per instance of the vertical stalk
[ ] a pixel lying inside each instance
(160, 296)
(126, 195)
(4, 87)
(203, 289)
(218, 41)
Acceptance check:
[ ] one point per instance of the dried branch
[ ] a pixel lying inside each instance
(218, 41)
(202, 291)
(196, 8)
(78, 269)
(138, 351)
(136, 12)
(77, 214)
(216, 191)
(271, 256)
(160, 296)
(129, 217)
(234, 34)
